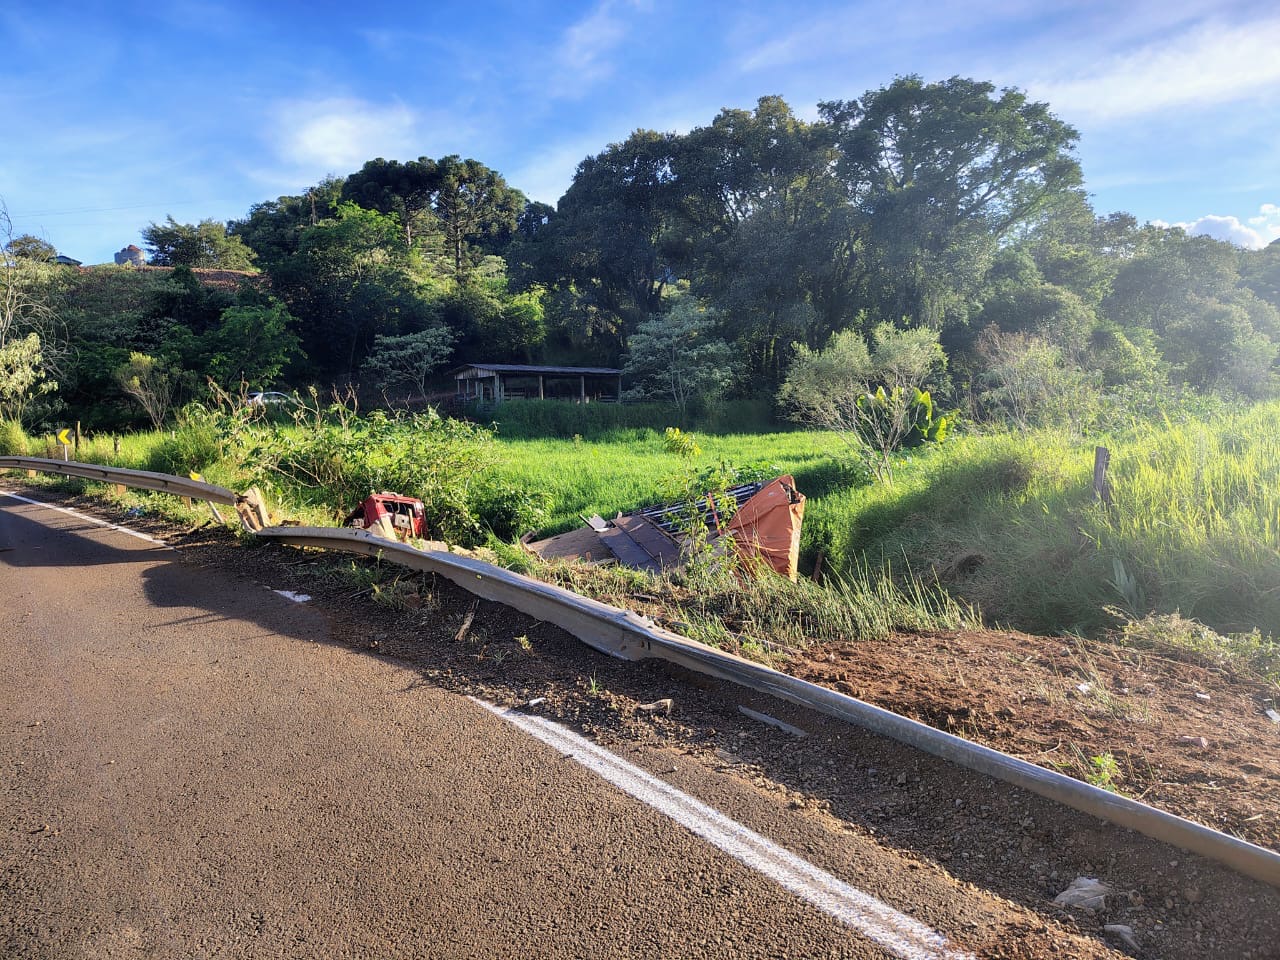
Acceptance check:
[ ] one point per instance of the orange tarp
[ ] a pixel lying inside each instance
(768, 526)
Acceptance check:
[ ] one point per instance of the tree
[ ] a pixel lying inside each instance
(31, 344)
(872, 398)
(30, 247)
(250, 343)
(764, 229)
(23, 376)
(408, 190)
(408, 360)
(274, 228)
(472, 203)
(206, 244)
(940, 173)
(349, 280)
(676, 356)
(1205, 318)
(149, 382)
(607, 243)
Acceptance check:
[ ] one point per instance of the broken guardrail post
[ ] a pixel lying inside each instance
(252, 507)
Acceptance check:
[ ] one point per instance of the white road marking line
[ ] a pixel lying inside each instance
(84, 516)
(896, 932)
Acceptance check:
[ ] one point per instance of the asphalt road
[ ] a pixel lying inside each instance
(193, 766)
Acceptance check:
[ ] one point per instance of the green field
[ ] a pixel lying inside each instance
(632, 468)
(1008, 522)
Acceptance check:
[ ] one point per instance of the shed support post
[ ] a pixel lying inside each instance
(542, 393)
(619, 388)
(582, 389)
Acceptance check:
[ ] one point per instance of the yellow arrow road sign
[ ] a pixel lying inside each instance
(64, 436)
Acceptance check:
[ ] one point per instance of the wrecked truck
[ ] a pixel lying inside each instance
(764, 527)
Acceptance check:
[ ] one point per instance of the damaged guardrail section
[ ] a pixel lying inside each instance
(249, 505)
(625, 634)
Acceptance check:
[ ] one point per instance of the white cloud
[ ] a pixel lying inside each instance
(1268, 216)
(1254, 235)
(584, 55)
(337, 135)
(1210, 63)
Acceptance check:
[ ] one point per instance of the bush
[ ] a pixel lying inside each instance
(532, 419)
(194, 446)
(510, 510)
(13, 439)
(338, 459)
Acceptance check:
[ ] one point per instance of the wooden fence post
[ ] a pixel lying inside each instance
(1101, 485)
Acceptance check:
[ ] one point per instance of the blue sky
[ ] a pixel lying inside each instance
(116, 115)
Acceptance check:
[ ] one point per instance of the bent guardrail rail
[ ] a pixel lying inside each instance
(250, 505)
(629, 636)
(624, 634)
(140, 479)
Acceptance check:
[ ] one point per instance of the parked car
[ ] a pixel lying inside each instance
(268, 398)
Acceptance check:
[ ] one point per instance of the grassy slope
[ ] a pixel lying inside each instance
(1005, 521)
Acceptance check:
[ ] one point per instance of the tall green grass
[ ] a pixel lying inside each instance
(632, 468)
(558, 419)
(1010, 523)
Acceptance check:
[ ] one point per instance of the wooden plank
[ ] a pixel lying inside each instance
(651, 539)
(1101, 485)
(581, 544)
(628, 551)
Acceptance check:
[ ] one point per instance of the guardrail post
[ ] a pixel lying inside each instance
(252, 507)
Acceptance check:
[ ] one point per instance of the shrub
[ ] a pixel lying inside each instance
(195, 445)
(509, 509)
(681, 442)
(13, 439)
(874, 399)
(338, 459)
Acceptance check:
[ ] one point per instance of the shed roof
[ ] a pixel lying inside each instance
(526, 368)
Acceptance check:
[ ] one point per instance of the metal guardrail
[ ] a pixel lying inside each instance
(140, 479)
(629, 636)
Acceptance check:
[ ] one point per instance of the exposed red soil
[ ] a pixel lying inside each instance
(1188, 738)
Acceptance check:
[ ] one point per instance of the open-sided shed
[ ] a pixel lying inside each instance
(518, 381)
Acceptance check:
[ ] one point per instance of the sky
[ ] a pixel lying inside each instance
(114, 116)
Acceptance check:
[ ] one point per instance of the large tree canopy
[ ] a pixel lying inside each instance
(206, 244)
(406, 189)
(608, 237)
(30, 247)
(941, 173)
(954, 209)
